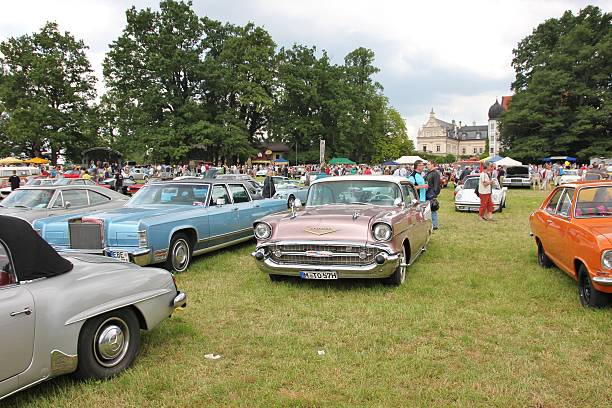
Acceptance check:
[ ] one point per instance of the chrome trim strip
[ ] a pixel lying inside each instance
(118, 306)
(335, 254)
(24, 387)
(219, 246)
(223, 235)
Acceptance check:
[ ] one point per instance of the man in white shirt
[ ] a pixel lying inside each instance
(485, 184)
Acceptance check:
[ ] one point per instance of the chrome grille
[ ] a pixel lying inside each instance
(85, 236)
(338, 254)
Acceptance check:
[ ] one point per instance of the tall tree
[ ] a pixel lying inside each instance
(46, 87)
(563, 86)
(394, 142)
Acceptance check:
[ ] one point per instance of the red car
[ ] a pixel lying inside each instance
(72, 174)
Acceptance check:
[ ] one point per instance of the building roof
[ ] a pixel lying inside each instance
(495, 111)
(277, 147)
(506, 102)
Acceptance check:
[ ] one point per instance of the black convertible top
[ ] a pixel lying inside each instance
(32, 256)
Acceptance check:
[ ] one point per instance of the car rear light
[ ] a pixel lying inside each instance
(143, 242)
(174, 281)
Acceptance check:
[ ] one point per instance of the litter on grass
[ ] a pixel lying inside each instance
(321, 352)
(212, 356)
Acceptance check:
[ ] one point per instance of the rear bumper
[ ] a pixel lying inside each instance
(371, 271)
(180, 301)
(138, 256)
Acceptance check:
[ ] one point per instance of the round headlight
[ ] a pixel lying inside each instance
(606, 259)
(382, 232)
(262, 231)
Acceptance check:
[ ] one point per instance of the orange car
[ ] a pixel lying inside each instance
(573, 230)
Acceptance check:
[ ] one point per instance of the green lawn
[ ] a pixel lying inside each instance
(477, 323)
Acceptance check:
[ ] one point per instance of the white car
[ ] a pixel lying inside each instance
(570, 176)
(467, 200)
(262, 173)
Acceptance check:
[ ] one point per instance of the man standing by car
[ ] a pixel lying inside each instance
(433, 182)
(14, 180)
(417, 179)
(268, 186)
(485, 182)
(118, 180)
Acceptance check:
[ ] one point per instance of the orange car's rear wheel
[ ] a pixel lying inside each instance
(589, 296)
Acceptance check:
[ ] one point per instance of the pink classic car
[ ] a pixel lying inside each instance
(351, 227)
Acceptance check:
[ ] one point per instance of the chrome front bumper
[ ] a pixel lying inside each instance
(473, 207)
(373, 270)
(602, 280)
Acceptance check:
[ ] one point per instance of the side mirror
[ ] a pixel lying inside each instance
(220, 201)
(67, 204)
(414, 202)
(398, 202)
(297, 203)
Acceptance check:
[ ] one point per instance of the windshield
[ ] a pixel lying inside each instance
(174, 194)
(471, 183)
(571, 173)
(594, 202)
(28, 198)
(353, 192)
(517, 170)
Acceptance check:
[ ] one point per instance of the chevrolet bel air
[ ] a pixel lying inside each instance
(351, 227)
(165, 222)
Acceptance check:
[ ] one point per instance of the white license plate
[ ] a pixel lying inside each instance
(121, 255)
(318, 275)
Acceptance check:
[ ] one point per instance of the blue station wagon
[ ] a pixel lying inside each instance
(165, 222)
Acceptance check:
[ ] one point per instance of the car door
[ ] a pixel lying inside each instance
(222, 218)
(75, 198)
(16, 321)
(545, 219)
(244, 206)
(557, 231)
(417, 227)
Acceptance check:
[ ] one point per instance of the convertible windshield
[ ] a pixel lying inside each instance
(353, 192)
(594, 202)
(174, 194)
(28, 198)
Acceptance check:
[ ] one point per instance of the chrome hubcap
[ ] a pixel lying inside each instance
(180, 255)
(111, 342)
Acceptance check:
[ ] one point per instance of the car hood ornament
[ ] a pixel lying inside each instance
(320, 230)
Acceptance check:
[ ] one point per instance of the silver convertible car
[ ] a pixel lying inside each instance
(92, 329)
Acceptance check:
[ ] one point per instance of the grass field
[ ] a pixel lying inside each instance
(477, 323)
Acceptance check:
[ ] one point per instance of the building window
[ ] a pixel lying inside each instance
(481, 150)
(475, 150)
(492, 126)
(424, 148)
(463, 150)
(491, 150)
(478, 135)
(437, 148)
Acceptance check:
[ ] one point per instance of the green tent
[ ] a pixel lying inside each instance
(341, 160)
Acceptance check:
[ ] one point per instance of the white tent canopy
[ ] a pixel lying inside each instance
(508, 161)
(409, 160)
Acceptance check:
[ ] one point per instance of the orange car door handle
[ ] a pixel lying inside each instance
(549, 221)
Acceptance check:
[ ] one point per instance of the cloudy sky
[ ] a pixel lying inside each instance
(452, 56)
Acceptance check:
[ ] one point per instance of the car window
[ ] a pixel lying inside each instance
(76, 198)
(594, 202)
(551, 207)
(96, 198)
(239, 193)
(89, 183)
(219, 192)
(409, 193)
(7, 275)
(565, 202)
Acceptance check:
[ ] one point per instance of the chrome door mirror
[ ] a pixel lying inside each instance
(220, 201)
(67, 204)
(414, 202)
(297, 203)
(398, 202)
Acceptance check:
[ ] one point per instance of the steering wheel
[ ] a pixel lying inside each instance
(381, 197)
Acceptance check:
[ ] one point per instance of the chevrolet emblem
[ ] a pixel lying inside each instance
(320, 230)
